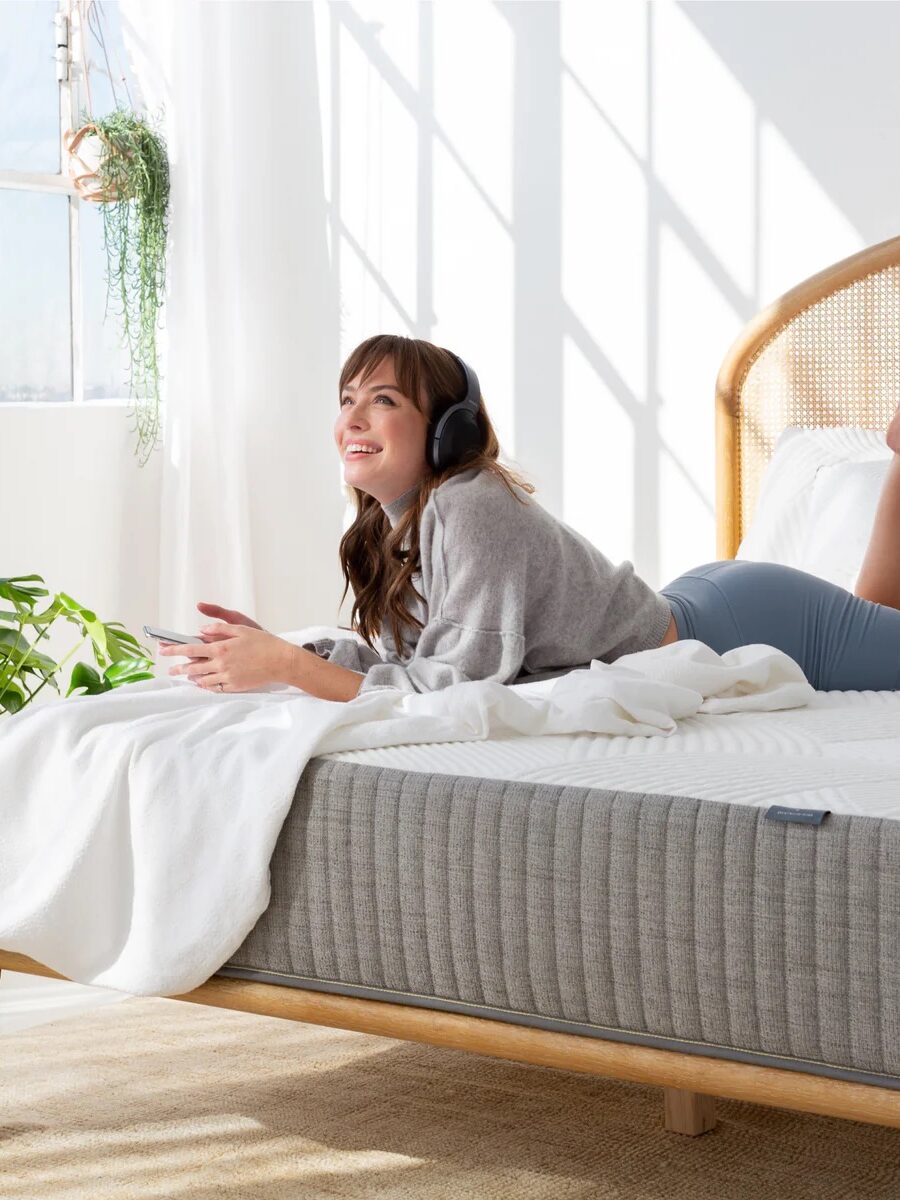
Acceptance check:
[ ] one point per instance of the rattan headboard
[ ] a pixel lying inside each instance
(827, 353)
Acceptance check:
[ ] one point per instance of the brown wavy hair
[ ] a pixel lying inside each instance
(378, 562)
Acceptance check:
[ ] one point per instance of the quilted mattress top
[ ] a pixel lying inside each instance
(840, 753)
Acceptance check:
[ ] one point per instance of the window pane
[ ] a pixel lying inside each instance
(105, 361)
(29, 93)
(34, 296)
(109, 74)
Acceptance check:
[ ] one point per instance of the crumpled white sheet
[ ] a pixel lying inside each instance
(136, 827)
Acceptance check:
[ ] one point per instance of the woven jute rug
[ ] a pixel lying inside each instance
(155, 1097)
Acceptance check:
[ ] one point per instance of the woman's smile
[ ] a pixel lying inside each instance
(360, 448)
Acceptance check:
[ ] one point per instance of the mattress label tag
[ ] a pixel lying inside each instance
(802, 816)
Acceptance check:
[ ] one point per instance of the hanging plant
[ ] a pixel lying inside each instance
(120, 162)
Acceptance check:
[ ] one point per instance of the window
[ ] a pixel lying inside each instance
(57, 58)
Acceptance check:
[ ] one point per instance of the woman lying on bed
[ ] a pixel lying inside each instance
(464, 576)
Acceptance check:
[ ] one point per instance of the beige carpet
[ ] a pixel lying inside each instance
(159, 1098)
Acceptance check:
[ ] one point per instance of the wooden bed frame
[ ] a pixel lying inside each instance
(825, 354)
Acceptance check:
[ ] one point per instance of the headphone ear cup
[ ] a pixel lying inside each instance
(456, 435)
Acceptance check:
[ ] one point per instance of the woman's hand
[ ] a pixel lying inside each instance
(234, 655)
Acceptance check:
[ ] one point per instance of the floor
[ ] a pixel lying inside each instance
(27, 1000)
(154, 1099)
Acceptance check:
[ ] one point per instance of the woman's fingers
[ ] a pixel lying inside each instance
(230, 615)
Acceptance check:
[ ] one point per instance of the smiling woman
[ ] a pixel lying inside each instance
(509, 592)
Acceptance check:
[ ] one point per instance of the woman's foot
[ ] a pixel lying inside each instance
(892, 437)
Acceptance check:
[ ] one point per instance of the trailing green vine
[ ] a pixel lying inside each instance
(134, 172)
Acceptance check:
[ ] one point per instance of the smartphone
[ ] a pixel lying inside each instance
(166, 635)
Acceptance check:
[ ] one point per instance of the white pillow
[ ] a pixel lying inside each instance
(841, 513)
(780, 531)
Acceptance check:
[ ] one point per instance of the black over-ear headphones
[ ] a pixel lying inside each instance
(456, 432)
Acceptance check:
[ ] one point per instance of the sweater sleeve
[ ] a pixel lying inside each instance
(346, 652)
(475, 626)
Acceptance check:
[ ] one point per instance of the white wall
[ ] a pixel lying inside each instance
(78, 511)
(585, 200)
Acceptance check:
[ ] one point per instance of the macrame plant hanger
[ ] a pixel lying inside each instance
(84, 162)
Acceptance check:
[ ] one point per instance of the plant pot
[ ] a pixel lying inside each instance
(88, 149)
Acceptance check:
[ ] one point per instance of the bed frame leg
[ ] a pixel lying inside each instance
(689, 1112)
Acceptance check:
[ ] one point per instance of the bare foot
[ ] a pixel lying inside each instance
(892, 437)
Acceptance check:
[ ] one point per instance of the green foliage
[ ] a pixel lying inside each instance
(135, 168)
(116, 652)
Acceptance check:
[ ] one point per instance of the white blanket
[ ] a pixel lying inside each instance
(136, 827)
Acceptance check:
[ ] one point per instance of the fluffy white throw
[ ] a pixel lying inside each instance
(136, 827)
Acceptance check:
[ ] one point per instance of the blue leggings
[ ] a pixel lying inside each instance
(841, 642)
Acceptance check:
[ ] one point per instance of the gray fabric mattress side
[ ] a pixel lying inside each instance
(664, 920)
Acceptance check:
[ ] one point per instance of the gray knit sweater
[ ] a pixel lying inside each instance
(511, 592)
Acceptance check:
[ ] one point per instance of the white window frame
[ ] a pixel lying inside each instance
(69, 46)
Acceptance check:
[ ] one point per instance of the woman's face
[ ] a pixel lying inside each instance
(379, 415)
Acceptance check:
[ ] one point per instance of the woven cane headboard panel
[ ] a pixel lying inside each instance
(827, 353)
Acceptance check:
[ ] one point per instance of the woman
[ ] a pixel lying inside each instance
(465, 577)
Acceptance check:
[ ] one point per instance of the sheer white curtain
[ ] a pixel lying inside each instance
(251, 499)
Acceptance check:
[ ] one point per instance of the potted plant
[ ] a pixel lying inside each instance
(120, 162)
(116, 652)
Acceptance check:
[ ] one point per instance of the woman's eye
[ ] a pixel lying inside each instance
(389, 400)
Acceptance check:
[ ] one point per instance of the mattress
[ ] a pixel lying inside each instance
(626, 888)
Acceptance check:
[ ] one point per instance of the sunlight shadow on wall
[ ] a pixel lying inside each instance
(825, 75)
(588, 202)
